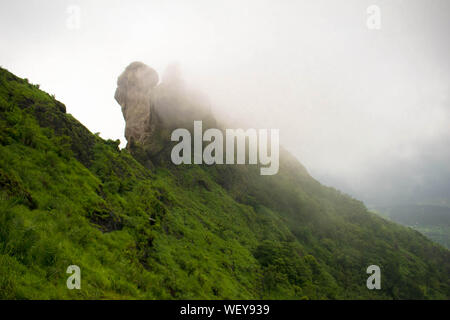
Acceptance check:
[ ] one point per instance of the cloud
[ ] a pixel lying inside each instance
(356, 106)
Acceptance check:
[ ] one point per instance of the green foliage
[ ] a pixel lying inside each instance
(188, 232)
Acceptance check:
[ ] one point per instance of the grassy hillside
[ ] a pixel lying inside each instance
(164, 232)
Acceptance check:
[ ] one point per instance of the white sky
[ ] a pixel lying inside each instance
(347, 100)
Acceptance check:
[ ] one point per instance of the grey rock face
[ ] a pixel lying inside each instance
(152, 110)
(134, 90)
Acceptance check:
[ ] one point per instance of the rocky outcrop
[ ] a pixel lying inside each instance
(135, 87)
(152, 109)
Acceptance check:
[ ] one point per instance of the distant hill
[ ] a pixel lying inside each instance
(431, 220)
(140, 227)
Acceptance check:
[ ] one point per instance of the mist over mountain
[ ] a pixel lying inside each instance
(349, 101)
(420, 178)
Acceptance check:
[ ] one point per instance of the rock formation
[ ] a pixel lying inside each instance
(152, 110)
(134, 93)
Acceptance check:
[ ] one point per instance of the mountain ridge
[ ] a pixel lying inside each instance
(141, 227)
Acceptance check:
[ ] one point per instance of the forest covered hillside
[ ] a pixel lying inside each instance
(142, 228)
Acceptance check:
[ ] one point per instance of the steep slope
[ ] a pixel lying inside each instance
(149, 229)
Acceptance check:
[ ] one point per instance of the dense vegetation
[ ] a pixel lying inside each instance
(165, 232)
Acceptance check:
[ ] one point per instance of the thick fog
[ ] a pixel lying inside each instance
(365, 110)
